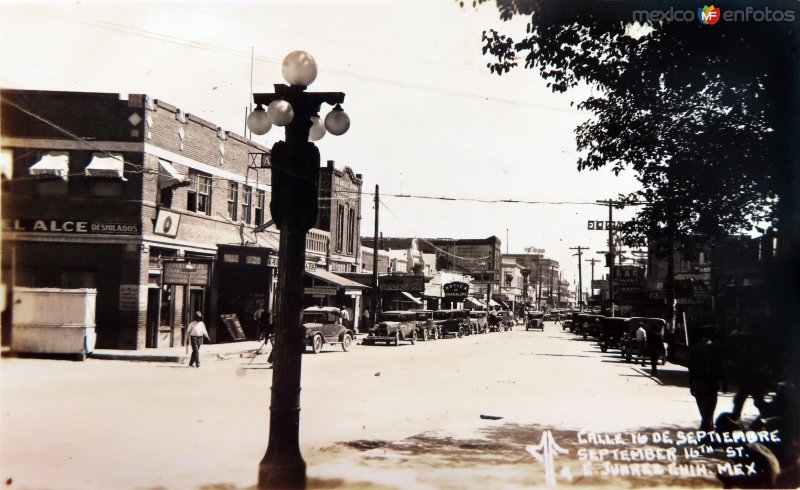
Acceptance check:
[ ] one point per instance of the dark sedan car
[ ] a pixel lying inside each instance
(394, 326)
(323, 325)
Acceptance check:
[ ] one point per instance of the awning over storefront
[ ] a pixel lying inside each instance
(168, 177)
(52, 164)
(106, 165)
(337, 280)
(475, 302)
(493, 303)
(504, 304)
(412, 297)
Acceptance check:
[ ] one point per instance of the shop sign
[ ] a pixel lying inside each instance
(71, 226)
(128, 297)
(604, 225)
(177, 273)
(456, 289)
(272, 261)
(628, 274)
(320, 291)
(599, 284)
(411, 284)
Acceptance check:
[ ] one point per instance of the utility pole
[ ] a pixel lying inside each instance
(580, 274)
(550, 293)
(375, 292)
(539, 293)
(610, 258)
(592, 261)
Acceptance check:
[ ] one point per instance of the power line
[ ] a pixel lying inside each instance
(242, 54)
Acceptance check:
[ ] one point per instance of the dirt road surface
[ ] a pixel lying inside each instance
(376, 417)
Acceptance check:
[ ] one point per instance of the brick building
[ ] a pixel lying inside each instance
(144, 202)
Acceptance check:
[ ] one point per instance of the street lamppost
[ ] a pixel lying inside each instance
(295, 184)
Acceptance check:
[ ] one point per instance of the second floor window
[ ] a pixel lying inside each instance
(233, 200)
(351, 230)
(199, 198)
(247, 204)
(340, 229)
(260, 203)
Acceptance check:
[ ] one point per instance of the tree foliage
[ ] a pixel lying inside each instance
(690, 108)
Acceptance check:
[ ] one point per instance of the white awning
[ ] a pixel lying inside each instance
(169, 177)
(493, 303)
(106, 165)
(412, 297)
(6, 163)
(475, 302)
(52, 164)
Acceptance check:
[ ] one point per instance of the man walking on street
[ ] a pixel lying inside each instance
(655, 348)
(705, 368)
(194, 334)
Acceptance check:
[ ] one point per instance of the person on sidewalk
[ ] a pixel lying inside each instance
(641, 339)
(705, 371)
(655, 348)
(346, 316)
(194, 334)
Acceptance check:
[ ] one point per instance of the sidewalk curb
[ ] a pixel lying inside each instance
(179, 359)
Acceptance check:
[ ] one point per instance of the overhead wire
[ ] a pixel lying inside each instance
(343, 73)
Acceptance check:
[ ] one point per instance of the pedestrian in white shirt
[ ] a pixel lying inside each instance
(194, 334)
(641, 340)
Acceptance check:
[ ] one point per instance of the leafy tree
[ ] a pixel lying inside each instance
(705, 115)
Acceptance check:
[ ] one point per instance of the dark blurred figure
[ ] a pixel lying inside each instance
(751, 371)
(655, 348)
(705, 371)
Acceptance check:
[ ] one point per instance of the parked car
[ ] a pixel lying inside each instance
(394, 326)
(478, 321)
(426, 326)
(612, 332)
(634, 349)
(323, 325)
(452, 322)
(534, 319)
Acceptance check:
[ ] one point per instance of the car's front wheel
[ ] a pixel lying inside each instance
(347, 341)
(396, 339)
(413, 337)
(316, 343)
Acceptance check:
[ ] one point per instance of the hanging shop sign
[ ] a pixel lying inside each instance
(178, 273)
(604, 225)
(410, 284)
(456, 289)
(321, 291)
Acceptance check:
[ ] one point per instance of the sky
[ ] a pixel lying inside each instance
(427, 116)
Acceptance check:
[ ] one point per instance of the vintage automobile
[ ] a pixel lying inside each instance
(452, 322)
(635, 349)
(478, 321)
(426, 326)
(534, 319)
(323, 325)
(394, 326)
(507, 321)
(587, 325)
(612, 331)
